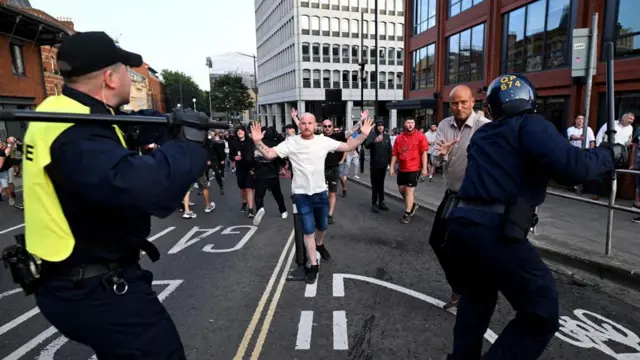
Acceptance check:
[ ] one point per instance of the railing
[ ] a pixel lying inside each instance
(610, 205)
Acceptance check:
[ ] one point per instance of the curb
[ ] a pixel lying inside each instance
(613, 271)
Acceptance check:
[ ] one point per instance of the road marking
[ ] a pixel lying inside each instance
(252, 229)
(187, 241)
(49, 352)
(338, 291)
(10, 292)
(272, 308)
(303, 340)
(161, 233)
(311, 290)
(19, 320)
(11, 229)
(340, 337)
(242, 349)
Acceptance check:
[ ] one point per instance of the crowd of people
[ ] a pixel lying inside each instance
(10, 169)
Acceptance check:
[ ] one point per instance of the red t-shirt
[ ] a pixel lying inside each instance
(408, 148)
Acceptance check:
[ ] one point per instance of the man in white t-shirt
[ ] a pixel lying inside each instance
(576, 133)
(624, 130)
(307, 153)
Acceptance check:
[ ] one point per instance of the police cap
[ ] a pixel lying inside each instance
(86, 52)
(509, 95)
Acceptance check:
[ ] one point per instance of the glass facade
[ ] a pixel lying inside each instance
(423, 67)
(465, 55)
(555, 109)
(624, 102)
(536, 36)
(627, 29)
(424, 15)
(458, 6)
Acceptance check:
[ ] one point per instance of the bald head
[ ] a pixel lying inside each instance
(307, 125)
(308, 116)
(461, 101)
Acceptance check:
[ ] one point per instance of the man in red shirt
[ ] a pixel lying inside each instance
(410, 151)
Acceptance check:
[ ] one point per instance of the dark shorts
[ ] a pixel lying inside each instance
(332, 176)
(409, 179)
(313, 211)
(245, 179)
(202, 181)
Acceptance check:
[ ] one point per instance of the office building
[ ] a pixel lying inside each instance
(306, 48)
(451, 42)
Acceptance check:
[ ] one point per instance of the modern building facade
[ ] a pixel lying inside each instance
(306, 47)
(451, 42)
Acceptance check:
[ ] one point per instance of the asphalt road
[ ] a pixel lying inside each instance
(379, 297)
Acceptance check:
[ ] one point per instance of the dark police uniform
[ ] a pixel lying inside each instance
(88, 208)
(510, 163)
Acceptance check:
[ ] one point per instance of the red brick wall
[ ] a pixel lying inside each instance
(29, 86)
(157, 91)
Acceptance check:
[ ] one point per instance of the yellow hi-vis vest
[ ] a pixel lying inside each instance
(47, 232)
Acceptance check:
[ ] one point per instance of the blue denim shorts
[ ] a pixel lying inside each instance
(313, 211)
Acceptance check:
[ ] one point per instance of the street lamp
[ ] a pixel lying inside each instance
(194, 104)
(255, 77)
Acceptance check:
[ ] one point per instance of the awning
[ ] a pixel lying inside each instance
(9, 100)
(30, 27)
(429, 103)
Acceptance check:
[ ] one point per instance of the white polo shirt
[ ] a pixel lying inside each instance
(307, 159)
(575, 131)
(622, 136)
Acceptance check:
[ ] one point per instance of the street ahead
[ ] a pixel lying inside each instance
(222, 280)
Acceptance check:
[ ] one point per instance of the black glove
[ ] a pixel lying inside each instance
(620, 154)
(196, 133)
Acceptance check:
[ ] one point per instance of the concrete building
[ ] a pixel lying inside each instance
(306, 47)
(451, 42)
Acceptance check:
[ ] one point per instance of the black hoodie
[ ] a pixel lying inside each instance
(268, 168)
(380, 151)
(246, 149)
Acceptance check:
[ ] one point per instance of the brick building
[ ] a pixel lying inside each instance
(22, 84)
(451, 42)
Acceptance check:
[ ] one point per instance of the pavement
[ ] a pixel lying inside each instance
(379, 297)
(568, 230)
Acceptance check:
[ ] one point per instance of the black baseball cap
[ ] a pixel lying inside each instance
(86, 52)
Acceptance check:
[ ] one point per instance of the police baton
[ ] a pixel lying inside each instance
(168, 120)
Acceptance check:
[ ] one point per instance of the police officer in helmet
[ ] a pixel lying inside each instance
(510, 163)
(88, 208)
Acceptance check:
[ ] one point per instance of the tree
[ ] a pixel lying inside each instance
(180, 89)
(230, 95)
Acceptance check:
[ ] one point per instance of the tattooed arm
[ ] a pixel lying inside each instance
(266, 151)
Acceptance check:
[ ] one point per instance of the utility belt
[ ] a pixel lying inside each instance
(29, 271)
(517, 219)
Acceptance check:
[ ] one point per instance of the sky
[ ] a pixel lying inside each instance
(168, 35)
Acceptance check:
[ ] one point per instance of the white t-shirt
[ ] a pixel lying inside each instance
(575, 131)
(307, 158)
(431, 139)
(622, 136)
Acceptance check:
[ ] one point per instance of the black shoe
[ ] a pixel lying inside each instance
(251, 213)
(243, 208)
(324, 253)
(312, 274)
(221, 191)
(383, 207)
(413, 209)
(374, 209)
(344, 193)
(406, 218)
(331, 219)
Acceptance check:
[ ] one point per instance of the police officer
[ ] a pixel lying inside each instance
(88, 208)
(510, 163)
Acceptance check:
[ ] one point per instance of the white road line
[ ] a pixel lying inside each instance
(11, 229)
(312, 289)
(340, 334)
(161, 233)
(19, 320)
(32, 344)
(303, 341)
(10, 292)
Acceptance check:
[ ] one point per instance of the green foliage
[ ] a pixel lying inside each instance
(230, 95)
(180, 89)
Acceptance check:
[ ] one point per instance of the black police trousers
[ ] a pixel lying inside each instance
(437, 242)
(134, 325)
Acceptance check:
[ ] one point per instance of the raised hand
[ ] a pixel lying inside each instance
(367, 125)
(256, 132)
(294, 113)
(443, 148)
(364, 114)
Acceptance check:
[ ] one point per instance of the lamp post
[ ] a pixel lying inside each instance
(194, 104)
(209, 64)
(255, 77)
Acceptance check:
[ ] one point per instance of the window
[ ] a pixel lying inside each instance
(326, 53)
(344, 27)
(399, 32)
(324, 4)
(355, 28)
(424, 16)
(458, 6)
(306, 56)
(306, 78)
(326, 79)
(304, 24)
(536, 36)
(382, 30)
(316, 79)
(627, 30)
(17, 60)
(391, 31)
(325, 26)
(623, 102)
(423, 68)
(315, 25)
(365, 28)
(554, 108)
(315, 52)
(335, 52)
(335, 27)
(399, 81)
(465, 54)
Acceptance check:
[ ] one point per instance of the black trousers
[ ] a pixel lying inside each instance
(134, 325)
(218, 171)
(437, 241)
(377, 184)
(273, 184)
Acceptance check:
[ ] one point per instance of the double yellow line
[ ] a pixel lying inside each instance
(251, 329)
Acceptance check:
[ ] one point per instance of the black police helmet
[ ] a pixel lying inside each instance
(509, 95)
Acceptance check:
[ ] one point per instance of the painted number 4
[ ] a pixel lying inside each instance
(508, 83)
